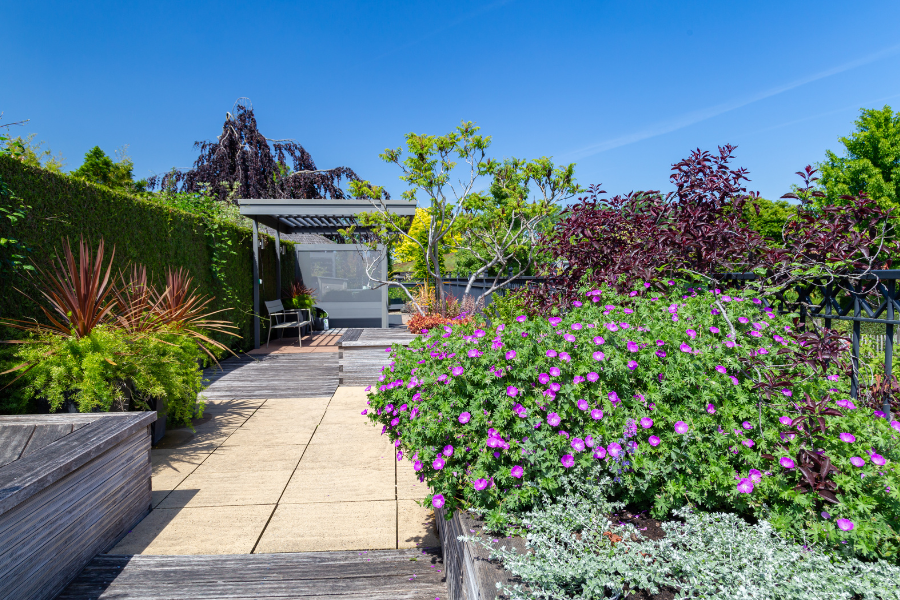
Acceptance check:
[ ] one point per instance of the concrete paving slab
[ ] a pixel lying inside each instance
(324, 456)
(269, 436)
(228, 489)
(349, 434)
(208, 530)
(219, 406)
(415, 526)
(331, 526)
(231, 459)
(408, 485)
(341, 482)
(205, 440)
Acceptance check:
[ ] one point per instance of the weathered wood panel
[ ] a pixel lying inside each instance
(471, 575)
(75, 496)
(311, 375)
(373, 575)
(13, 439)
(361, 359)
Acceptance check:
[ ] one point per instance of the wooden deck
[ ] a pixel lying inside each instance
(374, 575)
(308, 375)
(362, 353)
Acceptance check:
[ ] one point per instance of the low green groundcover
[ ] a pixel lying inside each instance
(654, 386)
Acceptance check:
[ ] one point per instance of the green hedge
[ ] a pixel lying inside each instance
(141, 232)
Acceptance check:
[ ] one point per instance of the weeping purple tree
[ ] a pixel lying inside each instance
(242, 155)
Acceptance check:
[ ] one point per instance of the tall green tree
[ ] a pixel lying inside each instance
(772, 216)
(34, 154)
(101, 169)
(871, 163)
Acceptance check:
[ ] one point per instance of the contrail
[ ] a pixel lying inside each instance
(697, 116)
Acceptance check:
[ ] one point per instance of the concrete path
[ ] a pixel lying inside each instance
(281, 475)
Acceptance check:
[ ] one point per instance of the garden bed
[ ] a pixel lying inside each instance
(71, 486)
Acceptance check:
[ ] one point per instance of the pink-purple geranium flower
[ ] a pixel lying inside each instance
(510, 355)
(845, 524)
(786, 462)
(437, 501)
(512, 391)
(632, 365)
(711, 409)
(599, 340)
(593, 377)
(856, 461)
(614, 449)
(448, 450)
(646, 422)
(438, 463)
(684, 348)
(583, 404)
(596, 414)
(464, 417)
(745, 486)
(517, 472)
(653, 441)
(848, 438)
(553, 419)
(480, 484)
(681, 427)
(577, 444)
(568, 461)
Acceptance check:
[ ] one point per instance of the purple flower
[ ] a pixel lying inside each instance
(711, 409)
(714, 330)
(544, 379)
(743, 320)
(554, 372)
(553, 419)
(510, 355)
(730, 343)
(646, 422)
(479, 333)
(395, 421)
(474, 353)
(721, 369)
(448, 450)
(747, 425)
(785, 420)
(511, 391)
(857, 461)
(365, 410)
(848, 404)
(567, 461)
(825, 515)
(632, 365)
(555, 387)
(614, 449)
(464, 418)
(749, 443)
(437, 501)
(563, 356)
(480, 484)
(786, 462)
(895, 425)
(554, 321)
(457, 371)
(755, 475)
(589, 441)
(596, 414)
(612, 326)
(691, 334)
(438, 463)
(833, 377)
(632, 346)
(583, 404)
(847, 437)
(653, 441)
(877, 459)
(521, 318)
(661, 353)
(745, 486)
(569, 337)
(517, 472)
(787, 392)
(592, 377)
(598, 340)
(599, 452)
(681, 427)
(613, 398)
(576, 326)
(684, 348)
(845, 524)
(577, 444)
(734, 380)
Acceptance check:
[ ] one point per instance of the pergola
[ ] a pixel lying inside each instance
(321, 216)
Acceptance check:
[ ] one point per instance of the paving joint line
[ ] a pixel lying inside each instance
(288, 482)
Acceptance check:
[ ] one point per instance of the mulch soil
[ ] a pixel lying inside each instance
(651, 529)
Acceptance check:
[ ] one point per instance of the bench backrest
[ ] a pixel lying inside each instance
(274, 306)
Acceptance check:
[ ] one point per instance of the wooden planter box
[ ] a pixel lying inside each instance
(71, 486)
(470, 574)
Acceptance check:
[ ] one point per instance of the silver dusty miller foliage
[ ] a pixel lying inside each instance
(709, 555)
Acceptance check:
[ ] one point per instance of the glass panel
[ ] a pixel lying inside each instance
(337, 276)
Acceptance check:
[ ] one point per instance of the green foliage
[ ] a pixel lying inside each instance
(145, 231)
(717, 556)
(33, 155)
(619, 374)
(12, 211)
(506, 306)
(101, 370)
(871, 163)
(100, 169)
(771, 218)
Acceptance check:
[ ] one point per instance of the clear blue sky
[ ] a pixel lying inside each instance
(624, 89)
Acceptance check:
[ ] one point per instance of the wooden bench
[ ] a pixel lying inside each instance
(71, 486)
(280, 318)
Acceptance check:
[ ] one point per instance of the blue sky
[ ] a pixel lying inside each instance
(623, 89)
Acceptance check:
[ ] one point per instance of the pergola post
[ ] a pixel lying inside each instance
(277, 264)
(255, 283)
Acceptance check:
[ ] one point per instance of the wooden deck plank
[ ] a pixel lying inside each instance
(374, 575)
(13, 439)
(46, 434)
(309, 375)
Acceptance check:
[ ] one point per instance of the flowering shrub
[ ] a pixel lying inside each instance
(684, 398)
(423, 323)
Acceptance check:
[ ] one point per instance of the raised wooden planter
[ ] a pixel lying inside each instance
(71, 486)
(471, 575)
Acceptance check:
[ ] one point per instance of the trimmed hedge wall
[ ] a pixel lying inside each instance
(141, 232)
